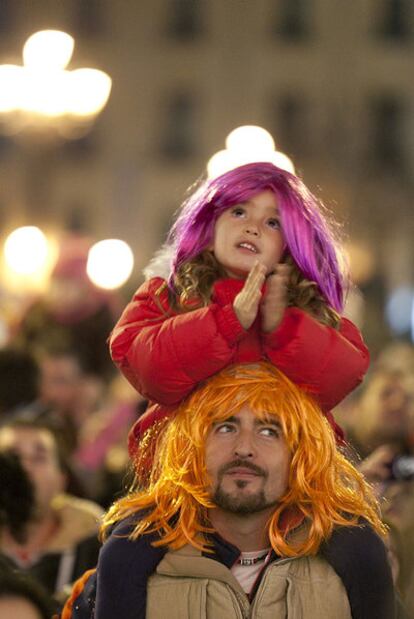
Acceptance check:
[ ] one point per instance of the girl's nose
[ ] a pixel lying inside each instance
(252, 229)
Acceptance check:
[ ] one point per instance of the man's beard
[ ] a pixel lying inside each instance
(238, 503)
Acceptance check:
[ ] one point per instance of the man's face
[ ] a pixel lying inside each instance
(61, 382)
(248, 462)
(36, 449)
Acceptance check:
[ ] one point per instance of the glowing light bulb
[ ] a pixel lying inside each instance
(88, 92)
(26, 250)
(250, 138)
(48, 50)
(110, 263)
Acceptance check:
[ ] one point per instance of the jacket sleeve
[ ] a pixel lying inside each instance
(328, 363)
(359, 558)
(164, 355)
(124, 568)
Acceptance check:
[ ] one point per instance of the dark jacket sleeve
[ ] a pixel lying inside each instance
(124, 567)
(358, 556)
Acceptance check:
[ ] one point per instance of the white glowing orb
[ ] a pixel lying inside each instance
(88, 92)
(282, 161)
(110, 263)
(45, 92)
(12, 87)
(48, 49)
(250, 138)
(226, 160)
(26, 250)
(399, 309)
(220, 163)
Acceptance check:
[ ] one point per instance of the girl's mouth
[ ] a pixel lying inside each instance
(248, 246)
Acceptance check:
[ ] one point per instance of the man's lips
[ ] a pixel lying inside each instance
(242, 472)
(240, 468)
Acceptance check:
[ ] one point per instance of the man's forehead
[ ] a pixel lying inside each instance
(247, 411)
(28, 437)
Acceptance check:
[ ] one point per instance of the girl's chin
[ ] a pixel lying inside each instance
(237, 273)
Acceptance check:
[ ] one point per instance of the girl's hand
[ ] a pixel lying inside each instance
(274, 300)
(246, 303)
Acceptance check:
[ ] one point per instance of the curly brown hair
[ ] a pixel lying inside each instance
(195, 279)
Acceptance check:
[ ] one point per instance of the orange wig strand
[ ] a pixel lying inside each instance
(323, 486)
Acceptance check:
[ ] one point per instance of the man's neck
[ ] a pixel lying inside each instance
(248, 532)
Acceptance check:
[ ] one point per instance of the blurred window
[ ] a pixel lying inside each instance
(88, 17)
(291, 123)
(292, 19)
(179, 138)
(7, 16)
(387, 116)
(7, 146)
(184, 19)
(396, 19)
(82, 148)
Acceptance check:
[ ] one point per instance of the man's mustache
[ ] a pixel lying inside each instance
(241, 464)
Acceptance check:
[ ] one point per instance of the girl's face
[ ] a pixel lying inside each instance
(248, 232)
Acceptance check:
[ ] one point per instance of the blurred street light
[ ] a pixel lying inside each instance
(44, 87)
(26, 250)
(38, 47)
(399, 310)
(110, 263)
(247, 144)
(250, 138)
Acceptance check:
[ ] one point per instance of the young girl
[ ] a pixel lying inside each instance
(245, 245)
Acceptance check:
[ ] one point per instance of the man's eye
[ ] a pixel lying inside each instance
(271, 432)
(224, 428)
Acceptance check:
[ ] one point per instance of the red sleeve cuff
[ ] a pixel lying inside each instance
(228, 324)
(285, 331)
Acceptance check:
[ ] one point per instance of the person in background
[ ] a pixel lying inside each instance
(17, 501)
(19, 381)
(60, 539)
(21, 597)
(72, 314)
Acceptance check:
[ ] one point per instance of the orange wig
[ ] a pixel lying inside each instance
(323, 486)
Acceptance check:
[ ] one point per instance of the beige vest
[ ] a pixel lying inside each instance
(187, 585)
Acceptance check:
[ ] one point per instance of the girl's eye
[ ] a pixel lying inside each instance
(238, 211)
(274, 223)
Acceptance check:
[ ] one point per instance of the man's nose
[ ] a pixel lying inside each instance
(244, 446)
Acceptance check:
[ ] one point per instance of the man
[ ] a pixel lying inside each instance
(254, 513)
(60, 539)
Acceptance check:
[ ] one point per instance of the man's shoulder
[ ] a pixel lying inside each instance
(358, 555)
(356, 544)
(123, 550)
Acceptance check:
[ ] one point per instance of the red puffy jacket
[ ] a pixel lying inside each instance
(165, 354)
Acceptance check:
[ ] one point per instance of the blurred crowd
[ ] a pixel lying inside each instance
(65, 414)
(379, 423)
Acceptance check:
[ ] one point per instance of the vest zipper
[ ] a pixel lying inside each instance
(265, 576)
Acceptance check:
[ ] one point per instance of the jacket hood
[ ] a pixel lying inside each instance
(160, 264)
